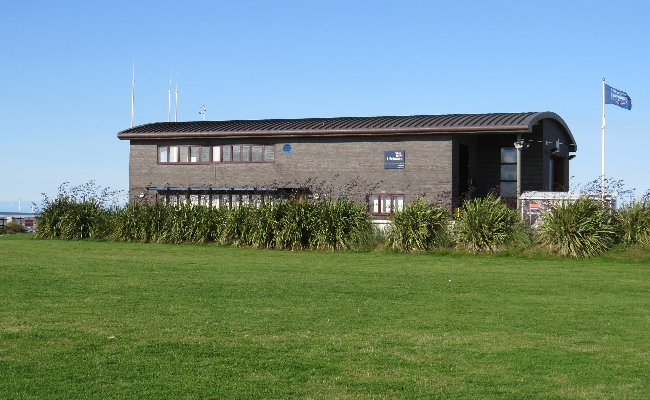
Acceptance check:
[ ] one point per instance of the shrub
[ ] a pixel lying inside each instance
(12, 227)
(581, 228)
(634, 223)
(341, 224)
(296, 228)
(78, 212)
(419, 227)
(488, 225)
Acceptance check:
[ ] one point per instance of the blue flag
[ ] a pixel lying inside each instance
(621, 99)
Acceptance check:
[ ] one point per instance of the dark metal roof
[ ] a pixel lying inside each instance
(345, 126)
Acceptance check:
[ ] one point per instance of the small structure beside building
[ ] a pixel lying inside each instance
(534, 203)
(27, 220)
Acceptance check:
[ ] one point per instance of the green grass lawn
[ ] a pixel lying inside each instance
(102, 320)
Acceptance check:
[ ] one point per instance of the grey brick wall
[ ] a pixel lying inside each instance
(350, 165)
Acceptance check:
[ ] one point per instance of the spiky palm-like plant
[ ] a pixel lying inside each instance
(580, 228)
(488, 225)
(634, 223)
(419, 227)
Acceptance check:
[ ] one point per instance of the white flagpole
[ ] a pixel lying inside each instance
(602, 176)
(176, 106)
(132, 93)
(169, 105)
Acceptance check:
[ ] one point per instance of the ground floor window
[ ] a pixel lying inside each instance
(508, 184)
(222, 197)
(385, 204)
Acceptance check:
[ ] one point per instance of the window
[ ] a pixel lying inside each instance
(194, 154)
(184, 154)
(247, 153)
(508, 186)
(269, 153)
(173, 154)
(221, 197)
(257, 153)
(215, 200)
(162, 154)
(385, 204)
(205, 154)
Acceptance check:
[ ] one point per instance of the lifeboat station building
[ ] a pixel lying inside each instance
(385, 162)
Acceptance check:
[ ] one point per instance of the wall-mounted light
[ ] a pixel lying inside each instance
(141, 194)
(555, 149)
(521, 145)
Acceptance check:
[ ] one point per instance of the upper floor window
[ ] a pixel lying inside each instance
(245, 153)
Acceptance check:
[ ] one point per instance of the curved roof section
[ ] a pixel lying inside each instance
(346, 126)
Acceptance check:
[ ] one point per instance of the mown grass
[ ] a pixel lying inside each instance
(100, 320)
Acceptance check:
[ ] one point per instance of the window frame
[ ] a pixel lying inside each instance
(507, 181)
(268, 151)
(392, 196)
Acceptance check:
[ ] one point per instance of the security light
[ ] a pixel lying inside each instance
(521, 145)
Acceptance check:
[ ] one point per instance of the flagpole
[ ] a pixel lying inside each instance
(132, 93)
(602, 175)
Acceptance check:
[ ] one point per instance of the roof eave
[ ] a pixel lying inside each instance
(551, 115)
(317, 133)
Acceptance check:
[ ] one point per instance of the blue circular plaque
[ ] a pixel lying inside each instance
(286, 148)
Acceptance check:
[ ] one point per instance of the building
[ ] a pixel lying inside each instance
(385, 161)
(27, 220)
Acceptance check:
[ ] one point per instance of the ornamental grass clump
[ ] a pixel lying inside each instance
(69, 219)
(634, 223)
(419, 227)
(580, 228)
(342, 224)
(77, 212)
(297, 226)
(489, 225)
(139, 222)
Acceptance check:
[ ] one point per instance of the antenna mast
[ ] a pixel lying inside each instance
(132, 93)
(203, 112)
(169, 106)
(176, 107)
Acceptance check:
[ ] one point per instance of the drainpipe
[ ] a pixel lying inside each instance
(519, 174)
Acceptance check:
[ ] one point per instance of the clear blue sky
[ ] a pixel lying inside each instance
(66, 73)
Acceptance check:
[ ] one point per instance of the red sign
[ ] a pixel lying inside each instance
(29, 222)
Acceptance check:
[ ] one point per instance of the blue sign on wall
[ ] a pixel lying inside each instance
(395, 159)
(286, 148)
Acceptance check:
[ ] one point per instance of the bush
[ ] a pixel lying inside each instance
(489, 225)
(581, 228)
(341, 224)
(634, 223)
(78, 212)
(11, 228)
(419, 227)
